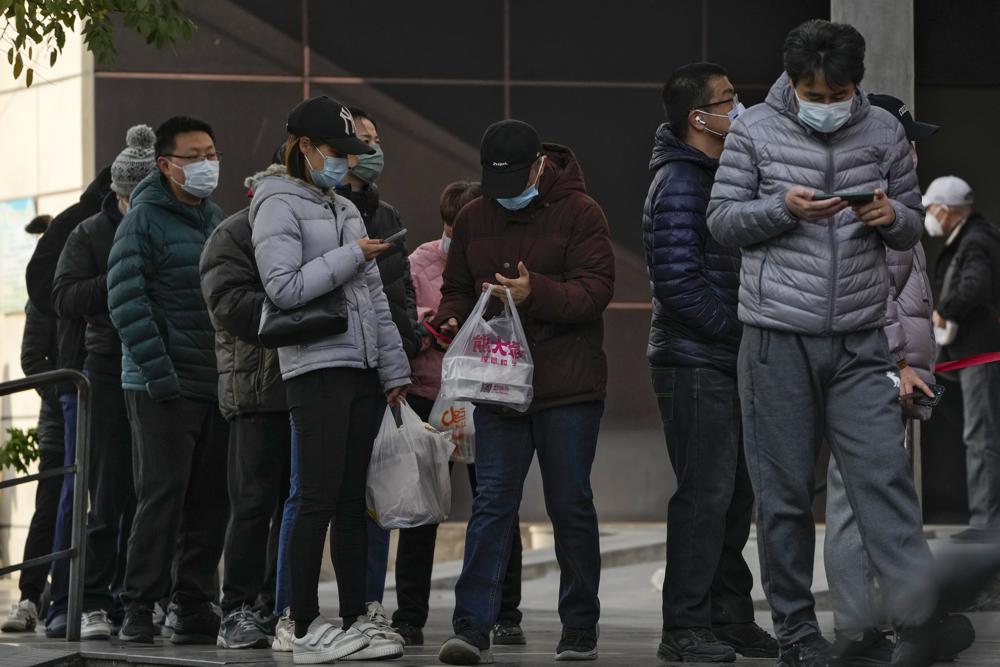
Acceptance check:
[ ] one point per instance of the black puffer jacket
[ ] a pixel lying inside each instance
(249, 376)
(382, 220)
(967, 288)
(694, 279)
(80, 289)
(39, 354)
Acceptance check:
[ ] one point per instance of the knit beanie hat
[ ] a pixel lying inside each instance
(136, 162)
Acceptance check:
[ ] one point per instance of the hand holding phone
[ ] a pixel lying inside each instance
(401, 234)
(852, 198)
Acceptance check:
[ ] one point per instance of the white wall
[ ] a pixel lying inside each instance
(47, 136)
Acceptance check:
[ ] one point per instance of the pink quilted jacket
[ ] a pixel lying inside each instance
(426, 266)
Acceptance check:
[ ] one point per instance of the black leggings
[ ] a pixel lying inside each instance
(336, 413)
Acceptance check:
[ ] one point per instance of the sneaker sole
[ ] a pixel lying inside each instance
(95, 635)
(390, 650)
(519, 641)
(671, 655)
(18, 627)
(260, 642)
(193, 639)
(136, 639)
(570, 656)
(756, 652)
(458, 652)
(319, 657)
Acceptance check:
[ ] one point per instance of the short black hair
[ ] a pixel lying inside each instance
(167, 132)
(838, 49)
(686, 89)
(358, 112)
(38, 224)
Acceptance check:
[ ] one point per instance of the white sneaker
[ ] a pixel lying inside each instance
(378, 617)
(23, 617)
(325, 642)
(380, 646)
(169, 621)
(95, 625)
(284, 633)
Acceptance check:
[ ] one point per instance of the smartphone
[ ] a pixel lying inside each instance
(920, 398)
(396, 237)
(852, 198)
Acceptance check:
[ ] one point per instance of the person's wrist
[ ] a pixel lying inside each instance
(901, 364)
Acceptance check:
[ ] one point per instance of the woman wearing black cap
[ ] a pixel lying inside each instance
(310, 243)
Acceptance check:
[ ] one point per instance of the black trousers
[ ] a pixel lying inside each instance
(415, 561)
(708, 519)
(259, 460)
(179, 466)
(112, 493)
(336, 412)
(42, 529)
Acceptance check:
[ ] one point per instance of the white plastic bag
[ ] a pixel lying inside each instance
(489, 362)
(408, 480)
(454, 419)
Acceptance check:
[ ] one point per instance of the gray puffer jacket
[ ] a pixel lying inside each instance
(910, 305)
(296, 238)
(823, 278)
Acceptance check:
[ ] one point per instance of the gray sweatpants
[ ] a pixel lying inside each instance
(796, 390)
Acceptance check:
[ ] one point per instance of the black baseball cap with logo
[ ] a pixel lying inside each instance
(507, 151)
(327, 121)
(915, 130)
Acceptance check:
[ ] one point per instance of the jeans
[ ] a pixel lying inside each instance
(179, 467)
(258, 481)
(112, 492)
(337, 413)
(708, 518)
(283, 580)
(64, 517)
(565, 439)
(981, 412)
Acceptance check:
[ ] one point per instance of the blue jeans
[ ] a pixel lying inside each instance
(565, 439)
(282, 589)
(64, 517)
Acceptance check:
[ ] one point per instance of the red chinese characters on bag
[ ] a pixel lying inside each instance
(497, 351)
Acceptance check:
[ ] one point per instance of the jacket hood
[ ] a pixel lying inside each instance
(668, 148)
(565, 179)
(366, 199)
(782, 98)
(93, 196)
(109, 207)
(153, 191)
(275, 180)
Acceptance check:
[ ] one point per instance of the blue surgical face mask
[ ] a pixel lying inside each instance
(732, 115)
(824, 118)
(445, 243)
(333, 172)
(523, 199)
(200, 178)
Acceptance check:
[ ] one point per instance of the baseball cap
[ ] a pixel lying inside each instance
(327, 121)
(948, 191)
(506, 153)
(915, 130)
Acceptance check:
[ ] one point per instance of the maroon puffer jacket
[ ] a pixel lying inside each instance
(562, 238)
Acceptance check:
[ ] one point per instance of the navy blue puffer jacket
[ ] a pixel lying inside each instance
(694, 279)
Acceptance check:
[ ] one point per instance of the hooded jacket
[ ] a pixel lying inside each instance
(693, 278)
(154, 294)
(249, 375)
(816, 278)
(80, 289)
(562, 238)
(967, 284)
(427, 263)
(296, 237)
(382, 221)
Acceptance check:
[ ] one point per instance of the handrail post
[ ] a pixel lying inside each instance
(81, 488)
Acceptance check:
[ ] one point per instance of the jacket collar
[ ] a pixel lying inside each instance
(668, 148)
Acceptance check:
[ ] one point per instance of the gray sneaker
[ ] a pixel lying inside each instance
(95, 625)
(380, 646)
(239, 629)
(23, 617)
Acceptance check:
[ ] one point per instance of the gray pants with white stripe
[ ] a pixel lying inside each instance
(797, 390)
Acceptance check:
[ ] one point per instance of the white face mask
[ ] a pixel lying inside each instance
(933, 225)
(824, 118)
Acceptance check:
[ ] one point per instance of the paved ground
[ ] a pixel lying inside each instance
(629, 631)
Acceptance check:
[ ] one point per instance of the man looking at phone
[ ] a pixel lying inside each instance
(813, 360)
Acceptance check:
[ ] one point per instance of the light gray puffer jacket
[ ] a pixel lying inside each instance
(827, 277)
(296, 239)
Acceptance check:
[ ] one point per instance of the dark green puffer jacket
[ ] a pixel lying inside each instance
(154, 295)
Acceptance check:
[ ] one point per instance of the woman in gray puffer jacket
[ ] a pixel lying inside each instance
(309, 242)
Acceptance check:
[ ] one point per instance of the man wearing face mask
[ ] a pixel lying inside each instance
(708, 613)
(536, 232)
(170, 380)
(966, 283)
(814, 363)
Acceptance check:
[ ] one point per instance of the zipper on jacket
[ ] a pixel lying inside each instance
(833, 239)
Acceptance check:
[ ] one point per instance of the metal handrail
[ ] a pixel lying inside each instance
(78, 544)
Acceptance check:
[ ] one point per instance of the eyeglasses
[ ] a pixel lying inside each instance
(735, 99)
(212, 157)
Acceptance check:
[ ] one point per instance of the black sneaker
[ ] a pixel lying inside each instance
(812, 651)
(239, 629)
(467, 647)
(578, 644)
(266, 621)
(138, 625)
(508, 634)
(748, 639)
(873, 648)
(196, 624)
(411, 634)
(693, 645)
(978, 536)
(950, 636)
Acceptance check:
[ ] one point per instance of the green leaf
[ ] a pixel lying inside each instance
(52, 58)
(10, 56)
(29, 77)
(18, 66)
